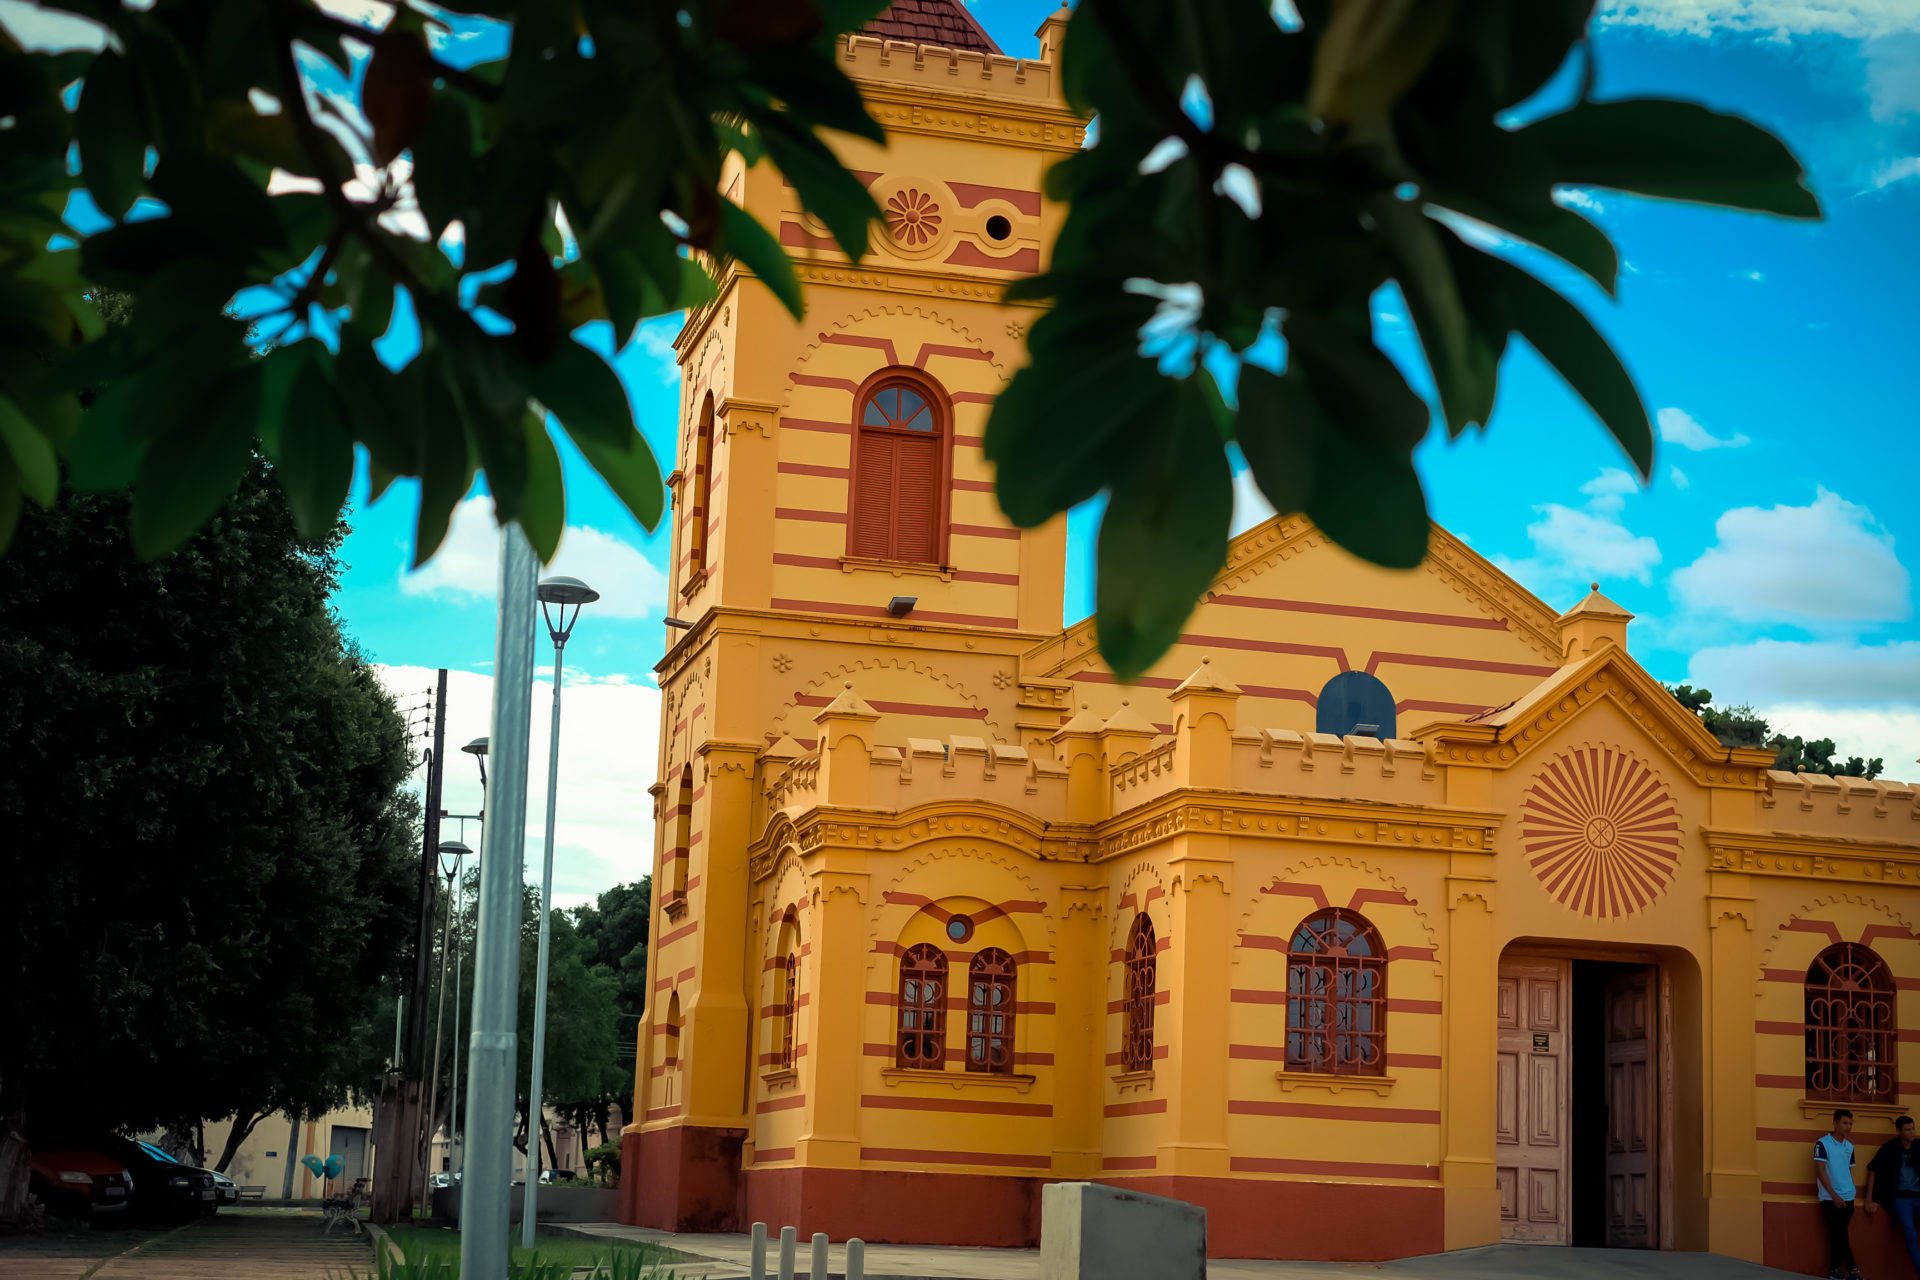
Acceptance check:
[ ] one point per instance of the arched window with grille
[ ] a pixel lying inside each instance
(789, 1010)
(670, 1034)
(1136, 1050)
(923, 1009)
(990, 1012)
(901, 441)
(1336, 996)
(1851, 1031)
(680, 851)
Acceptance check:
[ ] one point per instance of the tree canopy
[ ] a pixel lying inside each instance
(1742, 726)
(1253, 186)
(208, 841)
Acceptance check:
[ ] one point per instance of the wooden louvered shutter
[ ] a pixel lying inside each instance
(916, 499)
(873, 482)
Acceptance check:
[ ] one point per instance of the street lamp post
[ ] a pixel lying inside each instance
(555, 593)
(451, 851)
(456, 1128)
(486, 1197)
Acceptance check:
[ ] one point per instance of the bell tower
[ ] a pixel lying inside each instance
(836, 542)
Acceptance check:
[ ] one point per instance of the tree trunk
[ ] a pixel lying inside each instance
(13, 1153)
(243, 1123)
(553, 1160)
(520, 1135)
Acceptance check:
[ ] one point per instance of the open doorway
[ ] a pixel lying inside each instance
(1579, 1102)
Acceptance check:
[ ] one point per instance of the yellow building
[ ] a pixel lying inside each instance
(1391, 913)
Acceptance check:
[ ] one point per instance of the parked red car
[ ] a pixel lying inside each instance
(80, 1184)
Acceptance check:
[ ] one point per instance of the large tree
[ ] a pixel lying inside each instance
(1253, 184)
(615, 929)
(208, 841)
(1742, 726)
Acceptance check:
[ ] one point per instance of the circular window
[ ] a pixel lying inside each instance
(998, 228)
(959, 928)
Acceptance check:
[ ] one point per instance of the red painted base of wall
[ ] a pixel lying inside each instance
(898, 1208)
(1796, 1240)
(1322, 1221)
(682, 1179)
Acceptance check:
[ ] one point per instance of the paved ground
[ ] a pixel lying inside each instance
(234, 1244)
(729, 1255)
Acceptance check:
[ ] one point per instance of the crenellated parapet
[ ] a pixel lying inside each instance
(1821, 805)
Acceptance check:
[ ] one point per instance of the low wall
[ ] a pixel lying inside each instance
(557, 1203)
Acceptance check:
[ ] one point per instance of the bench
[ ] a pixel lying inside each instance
(345, 1209)
(253, 1193)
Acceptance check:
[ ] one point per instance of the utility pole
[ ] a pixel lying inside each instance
(396, 1190)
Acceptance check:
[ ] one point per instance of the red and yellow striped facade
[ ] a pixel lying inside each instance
(853, 801)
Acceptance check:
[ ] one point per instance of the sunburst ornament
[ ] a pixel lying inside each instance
(1601, 831)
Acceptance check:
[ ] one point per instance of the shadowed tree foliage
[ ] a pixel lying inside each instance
(615, 930)
(1298, 167)
(1742, 726)
(207, 841)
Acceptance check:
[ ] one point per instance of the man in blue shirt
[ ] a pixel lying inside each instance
(1893, 1183)
(1833, 1175)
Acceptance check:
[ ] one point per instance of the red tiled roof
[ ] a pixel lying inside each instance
(943, 22)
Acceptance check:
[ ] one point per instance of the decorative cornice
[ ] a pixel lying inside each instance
(1413, 827)
(1803, 857)
(824, 826)
(1035, 126)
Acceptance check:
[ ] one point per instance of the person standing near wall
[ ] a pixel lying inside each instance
(1833, 1174)
(1893, 1183)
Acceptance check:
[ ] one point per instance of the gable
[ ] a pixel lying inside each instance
(1290, 611)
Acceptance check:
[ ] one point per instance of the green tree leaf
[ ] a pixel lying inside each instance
(187, 474)
(1164, 534)
(629, 470)
(1675, 151)
(832, 194)
(750, 244)
(584, 392)
(543, 510)
(314, 461)
(112, 136)
(32, 454)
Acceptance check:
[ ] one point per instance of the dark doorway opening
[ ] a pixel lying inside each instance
(1615, 1105)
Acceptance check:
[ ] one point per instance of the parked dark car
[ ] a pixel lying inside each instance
(163, 1189)
(226, 1191)
(79, 1184)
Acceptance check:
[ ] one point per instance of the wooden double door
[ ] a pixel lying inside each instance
(1535, 1107)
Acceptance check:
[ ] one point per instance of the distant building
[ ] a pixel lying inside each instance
(277, 1143)
(1392, 912)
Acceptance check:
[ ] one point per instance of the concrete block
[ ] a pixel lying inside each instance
(1089, 1231)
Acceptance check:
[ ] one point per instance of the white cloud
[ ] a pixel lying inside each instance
(1677, 426)
(654, 340)
(1250, 506)
(1678, 478)
(1894, 171)
(1758, 277)
(1824, 563)
(1891, 734)
(1893, 76)
(609, 749)
(468, 564)
(1819, 671)
(1575, 545)
(1855, 19)
(1609, 489)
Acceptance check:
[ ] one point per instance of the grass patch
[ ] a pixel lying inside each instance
(434, 1254)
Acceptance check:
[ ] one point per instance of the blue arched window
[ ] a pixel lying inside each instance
(1353, 700)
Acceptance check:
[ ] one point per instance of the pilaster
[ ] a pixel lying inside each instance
(835, 980)
(1733, 1157)
(1195, 1140)
(1472, 1037)
(1079, 1024)
(1079, 747)
(747, 455)
(717, 1019)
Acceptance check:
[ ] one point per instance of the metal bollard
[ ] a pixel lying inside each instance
(787, 1241)
(759, 1251)
(818, 1269)
(856, 1259)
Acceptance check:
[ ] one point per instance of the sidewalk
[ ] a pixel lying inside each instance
(729, 1255)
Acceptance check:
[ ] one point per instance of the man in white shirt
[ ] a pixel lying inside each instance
(1833, 1175)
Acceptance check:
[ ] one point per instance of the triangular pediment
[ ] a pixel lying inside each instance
(1290, 610)
(1507, 736)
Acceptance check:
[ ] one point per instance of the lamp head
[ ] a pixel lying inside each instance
(901, 606)
(451, 853)
(564, 590)
(478, 747)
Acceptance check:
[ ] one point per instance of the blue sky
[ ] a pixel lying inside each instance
(1769, 559)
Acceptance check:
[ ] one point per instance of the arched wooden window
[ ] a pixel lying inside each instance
(1850, 1026)
(1136, 1051)
(897, 507)
(1337, 996)
(990, 1012)
(789, 1010)
(701, 466)
(923, 1009)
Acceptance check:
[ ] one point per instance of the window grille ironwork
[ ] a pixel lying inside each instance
(1851, 1033)
(990, 980)
(789, 1011)
(1136, 1051)
(1336, 996)
(923, 1009)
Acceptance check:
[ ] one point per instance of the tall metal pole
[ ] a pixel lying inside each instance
(433, 1064)
(486, 1199)
(536, 1110)
(459, 954)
